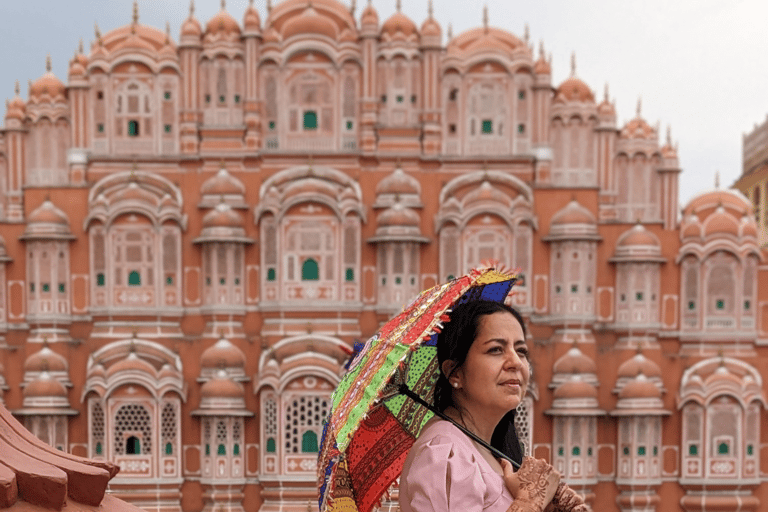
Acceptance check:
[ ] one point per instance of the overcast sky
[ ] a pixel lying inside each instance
(699, 65)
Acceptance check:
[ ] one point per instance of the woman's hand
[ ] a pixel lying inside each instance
(533, 486)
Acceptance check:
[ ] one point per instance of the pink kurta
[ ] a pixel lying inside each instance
(445, 472)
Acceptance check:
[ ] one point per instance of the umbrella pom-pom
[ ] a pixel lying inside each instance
(445, 318)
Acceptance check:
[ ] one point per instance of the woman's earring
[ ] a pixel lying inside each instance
(455, 384)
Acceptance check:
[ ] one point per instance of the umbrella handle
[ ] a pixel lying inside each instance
(416, 398)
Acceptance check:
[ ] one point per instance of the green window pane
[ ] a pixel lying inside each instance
(750, 449)
(521, 95)
(560, 451)
(350, 124)
(693, 449)
(576, 451)
(222, 450)
(413, 281)
(720, 304)
(272, 126)
(207, 449)
(207, 281)
(574, 288)
(310, 120)
(309, 442)
(271, 274)
(487, 126)
(383, 98)
(400, 99)
(133, 128)
(589, 451)
(134, 278)
(100, 127)
(398, 280)
(133, 446)
(310, 271)
(383, 281)
(655, 450)
(62, 288)
(98, 449)
(691, 305)
(237, 98)
(222, 99)
(641, 450)
(207, 98)
(168, 449)
(349, 274)
(271, 448)
(100, 281)
(521, 128)
(639, 296)
(167, 128)
(169, 280)
(723, 449)
(167, 95)
(746, 305)
(222, 281)
(450, 277)
(625, 451)
(236, 449)
(237, 281)
(46, 287)
(413, 98)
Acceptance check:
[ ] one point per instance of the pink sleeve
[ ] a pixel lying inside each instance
(444, 477)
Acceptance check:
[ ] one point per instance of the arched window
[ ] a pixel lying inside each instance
(134, 278)
(309, 442)
(222, 450)
(309, 270)
(271, 448)
(133, 446)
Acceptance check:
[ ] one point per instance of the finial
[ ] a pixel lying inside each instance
(352, 6)
(97, 32)
(80, 47)
(542, 55)
(269, 6)
(17, 89)
(485, 17)
(669, 135)
(399, 5)
(639, 347)
(606, 92)
(527, 34)
(639, 105)
(223, 4)
(450, 32)
(45, 341)
(430, 9)
(573, 64)
(167, 32)
(717, 180)
(135, 12)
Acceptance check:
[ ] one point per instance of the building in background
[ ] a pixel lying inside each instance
(754, 180)
(195, 232)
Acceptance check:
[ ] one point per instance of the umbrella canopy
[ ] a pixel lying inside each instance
(380, 405)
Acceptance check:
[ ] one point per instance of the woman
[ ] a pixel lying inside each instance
(485, 370)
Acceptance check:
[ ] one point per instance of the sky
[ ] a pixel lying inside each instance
(698, 66)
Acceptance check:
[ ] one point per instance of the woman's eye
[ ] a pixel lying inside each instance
(523, 351)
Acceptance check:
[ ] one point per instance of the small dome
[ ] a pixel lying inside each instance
(691, 227)
(640, 387)
(48, 213)
(167, 371)
(369, 18)
(46, 360)
(45, 386)
(398, 183)
(223, 216)
(574, 89)
(639, 364)
(222, 386)
(730, 199)
(399, 22)
(47, 85)
(132, 363)
(222, 23)
(484, 40)
(573, 213)
(542, 67)
(431, 28)
(191, 27)
(16, 108)
(223, 354)
(638, 128)
(638, 236)
(721, 223)
(575, 388)
(748, 228)
(251, 19)
(222, 183)
(310, 22)
(606, 109)
(575, 362)
(398, 215)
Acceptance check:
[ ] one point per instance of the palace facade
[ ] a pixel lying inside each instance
(196, 231)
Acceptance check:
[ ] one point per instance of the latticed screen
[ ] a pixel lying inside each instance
(270, 424)
(168, 427)
(304, 422)
(523, 425)
(97, 429)
(133, 420)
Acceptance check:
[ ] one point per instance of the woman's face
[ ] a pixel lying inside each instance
(494, 377)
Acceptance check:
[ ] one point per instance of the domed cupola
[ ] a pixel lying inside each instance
(399, 27)
(222, 26)
(16, 108)
(636, 365)
(398, 187)
(47, 222)
(542, 66)
(638, 128)
(638, 244)
(573, 222)
(369, 20)
(606, 110)
(431, 33)
(573, 89)
(190, 29)
(251, 20)
(573, 362)
(222, 186)
(223, 355)
(223, 224)
(48, 88)
(398, 223)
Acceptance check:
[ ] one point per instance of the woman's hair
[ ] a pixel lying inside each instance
(453, 344)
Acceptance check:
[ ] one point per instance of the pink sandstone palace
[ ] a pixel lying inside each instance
(195, 232)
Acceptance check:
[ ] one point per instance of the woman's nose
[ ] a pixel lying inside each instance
(513, 359)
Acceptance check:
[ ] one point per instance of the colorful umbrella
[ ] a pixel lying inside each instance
(384, 399)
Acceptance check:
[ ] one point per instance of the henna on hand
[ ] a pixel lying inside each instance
(567, 500)
(537, 484)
